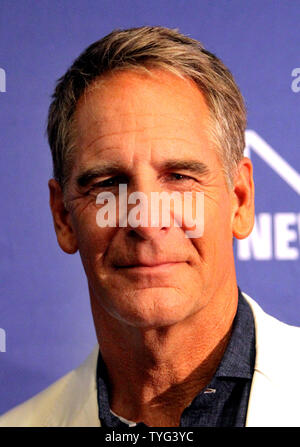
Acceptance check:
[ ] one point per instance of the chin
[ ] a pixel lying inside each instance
(151, 308)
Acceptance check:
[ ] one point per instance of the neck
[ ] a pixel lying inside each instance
(155, 373)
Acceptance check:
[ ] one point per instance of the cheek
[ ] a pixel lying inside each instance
(217, 235)
(193, 214)
(93, 241)
(218, 211)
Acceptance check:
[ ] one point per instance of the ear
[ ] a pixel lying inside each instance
(243, 200)
(62, 219)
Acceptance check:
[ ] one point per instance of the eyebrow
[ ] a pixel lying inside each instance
(113, 168)
(105, 169)
(194, 166)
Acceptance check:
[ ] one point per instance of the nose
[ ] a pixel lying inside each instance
(147, 233)
(144, 217)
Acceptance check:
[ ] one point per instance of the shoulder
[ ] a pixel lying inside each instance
(277, 344)
(275, 394)
(70, 401)
(264, 320)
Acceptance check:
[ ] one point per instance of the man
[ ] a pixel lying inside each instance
(150, 111)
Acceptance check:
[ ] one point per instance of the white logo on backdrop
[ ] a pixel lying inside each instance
(275, 236)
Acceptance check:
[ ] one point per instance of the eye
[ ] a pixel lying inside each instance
(174, 176)
(109, 182)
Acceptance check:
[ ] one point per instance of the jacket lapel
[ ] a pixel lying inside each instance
(274, 400)
(77, 405)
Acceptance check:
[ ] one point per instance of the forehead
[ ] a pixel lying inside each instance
(132, 108)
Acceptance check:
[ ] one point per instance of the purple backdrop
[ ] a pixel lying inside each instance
(45, 321)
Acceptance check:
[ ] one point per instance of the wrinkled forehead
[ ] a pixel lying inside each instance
(141, 102)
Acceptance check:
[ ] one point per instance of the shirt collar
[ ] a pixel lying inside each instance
(239, 357)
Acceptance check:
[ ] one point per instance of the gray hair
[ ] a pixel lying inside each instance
(146, 48)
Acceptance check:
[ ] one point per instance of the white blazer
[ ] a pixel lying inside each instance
(274, 398)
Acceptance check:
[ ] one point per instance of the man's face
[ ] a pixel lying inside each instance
(152, 134)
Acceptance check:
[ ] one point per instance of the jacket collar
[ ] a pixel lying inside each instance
(77, 406)
(274, 396)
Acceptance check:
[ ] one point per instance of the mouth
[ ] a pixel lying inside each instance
(150, 267)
